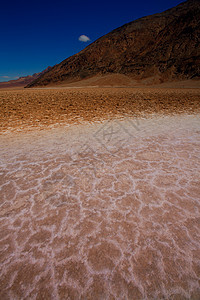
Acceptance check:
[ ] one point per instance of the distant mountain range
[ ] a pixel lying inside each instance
(22, 81)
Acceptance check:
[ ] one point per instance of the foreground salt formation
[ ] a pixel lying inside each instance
(107, 211)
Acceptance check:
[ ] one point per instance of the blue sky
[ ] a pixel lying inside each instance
(36, 34)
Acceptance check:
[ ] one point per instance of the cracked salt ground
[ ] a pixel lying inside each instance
(102, 211)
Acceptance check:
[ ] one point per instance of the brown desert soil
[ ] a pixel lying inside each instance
(26, 109)
(100, 210)
(121, 80)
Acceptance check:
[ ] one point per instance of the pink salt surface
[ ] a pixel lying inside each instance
(104, 211)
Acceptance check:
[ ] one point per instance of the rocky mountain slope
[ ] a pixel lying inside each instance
(22, 81)
(165, 46)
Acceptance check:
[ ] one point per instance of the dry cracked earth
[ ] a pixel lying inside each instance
(109, 210)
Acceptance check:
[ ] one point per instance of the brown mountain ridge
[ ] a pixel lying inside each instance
(164, 46)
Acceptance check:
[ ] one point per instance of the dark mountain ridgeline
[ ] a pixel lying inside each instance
(165, 45)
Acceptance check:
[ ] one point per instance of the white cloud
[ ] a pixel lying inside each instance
(5, 76)
(84, 38)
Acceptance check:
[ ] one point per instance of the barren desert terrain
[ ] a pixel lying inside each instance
(39, 108)
(99, 193)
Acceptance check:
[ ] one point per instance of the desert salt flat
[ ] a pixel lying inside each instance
(103, 211)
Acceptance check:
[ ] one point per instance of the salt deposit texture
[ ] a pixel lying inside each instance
(102, 211)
